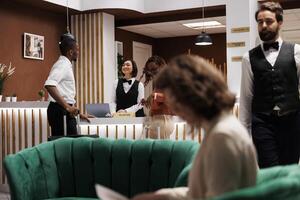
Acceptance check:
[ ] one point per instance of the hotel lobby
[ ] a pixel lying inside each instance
(126, 153)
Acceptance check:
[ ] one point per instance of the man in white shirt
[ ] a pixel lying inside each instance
(61, 87)
(269, 97)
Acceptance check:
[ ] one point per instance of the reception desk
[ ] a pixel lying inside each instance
(25, 124)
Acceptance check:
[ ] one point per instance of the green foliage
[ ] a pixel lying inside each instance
(41, 93)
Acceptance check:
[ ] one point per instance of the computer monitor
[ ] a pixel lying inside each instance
(98, 110)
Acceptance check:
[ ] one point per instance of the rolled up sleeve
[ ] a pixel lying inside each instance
(55, 76)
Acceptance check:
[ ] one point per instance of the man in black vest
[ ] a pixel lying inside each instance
(269, 98)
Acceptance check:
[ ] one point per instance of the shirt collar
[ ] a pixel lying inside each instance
(133, 79)
(65, 59)
(209, 125)
(279, 40)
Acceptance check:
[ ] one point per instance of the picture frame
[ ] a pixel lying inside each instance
(119, 58)
(34, 46)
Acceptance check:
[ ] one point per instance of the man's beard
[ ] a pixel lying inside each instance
(266, 35)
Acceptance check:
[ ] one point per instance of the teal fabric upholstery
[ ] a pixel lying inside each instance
(275, 183)
(70, 167)
(73, 198)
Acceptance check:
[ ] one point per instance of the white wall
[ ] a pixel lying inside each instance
(137, 5)
(74, 4)
(237, 17)
(109, 60)
(167, 5)
(144, 6)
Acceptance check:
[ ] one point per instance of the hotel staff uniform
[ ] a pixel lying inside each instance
(62, 77)
(269, 101)
(127, 96)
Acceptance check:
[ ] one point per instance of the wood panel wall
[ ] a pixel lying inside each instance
(88, 70)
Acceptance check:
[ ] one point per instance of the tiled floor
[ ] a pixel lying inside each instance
(4, 196)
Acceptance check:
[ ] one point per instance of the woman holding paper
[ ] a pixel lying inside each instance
(226, 161)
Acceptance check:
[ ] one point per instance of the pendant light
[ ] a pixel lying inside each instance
(67, 34)
(203, 39)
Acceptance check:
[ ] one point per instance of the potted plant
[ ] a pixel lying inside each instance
(14, 97)
(5, 72)
(41, 93)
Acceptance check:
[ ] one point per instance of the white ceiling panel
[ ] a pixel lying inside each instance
(290, 29)
(174, 28)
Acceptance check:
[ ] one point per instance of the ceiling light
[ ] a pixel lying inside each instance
(208, 24)
(203, 38)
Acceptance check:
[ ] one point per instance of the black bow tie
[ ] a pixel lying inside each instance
(274, 45)
(128, 81)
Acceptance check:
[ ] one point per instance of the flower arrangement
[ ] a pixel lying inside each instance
(5, 72)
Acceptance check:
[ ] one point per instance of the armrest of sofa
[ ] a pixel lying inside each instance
(268, 174)
(20, 182)
(276, 183)
(182, 179)
(27, 172)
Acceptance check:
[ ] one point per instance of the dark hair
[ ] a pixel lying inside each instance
(196, 87)
(67, 42)
(273, 7)
(134, 68)
(153, 65)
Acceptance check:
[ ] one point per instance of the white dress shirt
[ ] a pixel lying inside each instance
(126, 86)
(62, 77)
(246, 92)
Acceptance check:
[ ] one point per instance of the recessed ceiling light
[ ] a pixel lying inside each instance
(206, 25)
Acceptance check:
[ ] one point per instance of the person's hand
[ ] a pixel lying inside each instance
(121, 111)
(108, 115)
(150, 196)
(86, 117)
(72, 110)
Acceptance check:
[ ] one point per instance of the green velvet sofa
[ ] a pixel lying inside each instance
(275, 183)
(68, 168)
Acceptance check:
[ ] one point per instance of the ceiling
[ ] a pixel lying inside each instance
(290, 29)
(174, 28)
(169, 24)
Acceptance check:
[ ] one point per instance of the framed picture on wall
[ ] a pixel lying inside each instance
(34, 46)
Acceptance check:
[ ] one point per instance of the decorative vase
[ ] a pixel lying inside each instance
(7, 99)
(13, 99)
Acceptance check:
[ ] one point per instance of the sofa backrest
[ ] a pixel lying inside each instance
(71, 167)
(276, 183)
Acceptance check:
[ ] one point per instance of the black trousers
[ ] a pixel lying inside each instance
(276, 138)
(55, 114)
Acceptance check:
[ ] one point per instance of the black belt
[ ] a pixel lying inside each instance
(60, 105)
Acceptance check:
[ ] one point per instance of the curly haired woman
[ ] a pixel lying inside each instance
(226, 161)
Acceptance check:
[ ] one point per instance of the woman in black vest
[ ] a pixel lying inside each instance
(129, 91)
